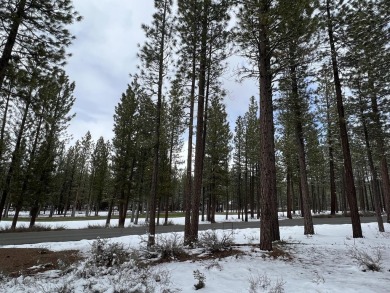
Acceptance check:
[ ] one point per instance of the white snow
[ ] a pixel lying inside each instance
(320, 263)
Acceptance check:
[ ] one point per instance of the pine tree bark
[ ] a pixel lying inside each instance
(267, 148)
(379, 138)
(156, 163)
(189, 190)
(252, 192)
(333, 196)
(375, 183)
(289, 197)
(349, 181)
(198, 172)
(308, 221)
(109, 215)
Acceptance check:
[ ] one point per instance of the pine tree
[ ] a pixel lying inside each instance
(124, 147)
(188, 28)
(155, 58)
(255, 19)
(349, 179)
(52, 113)
(27, 87)
(299, 24)
(176, 127)
(214, 19)
(99, 175)
(35, 30)
(327, 109)
(368, 56)
(251, 152)
(84, 149)
(217, 154)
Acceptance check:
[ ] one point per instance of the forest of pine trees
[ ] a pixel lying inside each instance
(315, 139)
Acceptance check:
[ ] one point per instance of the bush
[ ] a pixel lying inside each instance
(170, 246)
(369, 261)
(96, 226)
(200, 277)
(210, 241)
(108, 254)
(264, 283)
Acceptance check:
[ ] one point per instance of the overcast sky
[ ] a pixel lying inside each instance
(104, 54)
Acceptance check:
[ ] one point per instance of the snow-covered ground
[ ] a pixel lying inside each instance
(319, 263)
(82, 224)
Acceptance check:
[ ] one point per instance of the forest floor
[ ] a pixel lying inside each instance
(15, 262)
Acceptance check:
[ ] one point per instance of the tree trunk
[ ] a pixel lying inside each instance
(109, 215)
(246, 187)
(333, 196)
(75, 202)
(34, 212)
(89, 205)
(267, 145)
(252, 192)
(188, 189)
(361, 193)
(349, 181)
(379, 138)
(198, 174)
(375, 183)
(365, 190)
(289, 197)
(156, 163)
(293, 200)
(308, 221)
(124, 201)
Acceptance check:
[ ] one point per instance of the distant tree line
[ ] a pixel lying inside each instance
(316, 138)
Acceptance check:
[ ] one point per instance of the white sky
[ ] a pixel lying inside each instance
(104, 54)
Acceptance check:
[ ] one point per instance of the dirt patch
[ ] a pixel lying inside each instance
(30, 261)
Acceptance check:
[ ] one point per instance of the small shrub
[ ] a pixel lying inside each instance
(258, 282)
(166, 247)
(264, 283)
(318, 279)
(201, 278)
(96, 226)
(369, 261)
(60, 228)
(108, 254)
(278, 287)
(35, 228)
(211, 242)
(24, 228)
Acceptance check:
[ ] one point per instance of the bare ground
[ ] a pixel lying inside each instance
(30, 261)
